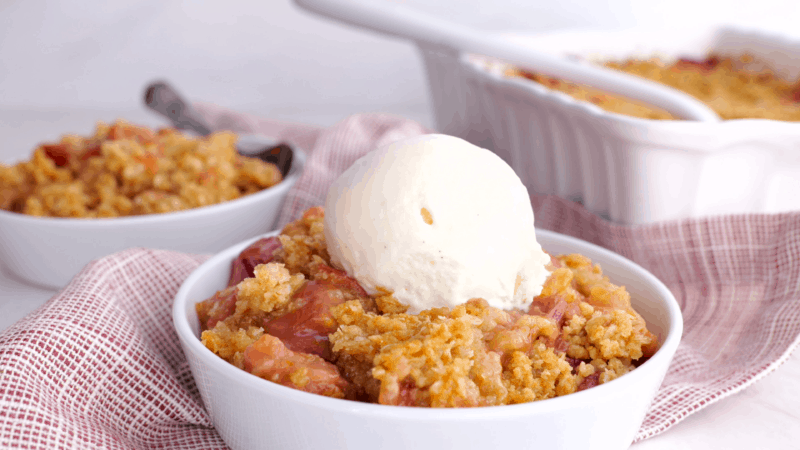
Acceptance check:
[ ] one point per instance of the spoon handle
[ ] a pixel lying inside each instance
(165, 100)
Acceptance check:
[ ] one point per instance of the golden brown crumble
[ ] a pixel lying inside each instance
(256, 299)
(303, 239)
(230, 343)
(442, 358)
(269, 290)
(735, 88)
(125, 170)
(581, 331)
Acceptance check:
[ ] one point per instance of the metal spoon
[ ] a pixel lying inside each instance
(165, 100)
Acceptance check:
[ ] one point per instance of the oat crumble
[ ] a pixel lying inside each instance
(126, 170)
(735, 88)
(301, 323)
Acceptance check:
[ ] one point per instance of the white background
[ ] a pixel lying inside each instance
(66, 64)
(262, 56)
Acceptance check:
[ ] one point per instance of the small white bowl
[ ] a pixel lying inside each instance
(250, 412)
(49, 251)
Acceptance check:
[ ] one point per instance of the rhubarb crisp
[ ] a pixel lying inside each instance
(289, 317)
(735, 88)
(126, 170)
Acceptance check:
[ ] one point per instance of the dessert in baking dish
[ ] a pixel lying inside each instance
(735, 88)
(127, 170)
(332, 308)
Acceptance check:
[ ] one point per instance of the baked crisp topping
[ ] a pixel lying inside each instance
(125, 170)
(581, 331)
(735, 88)
(268, 291)
(303, 239)
(229, 342)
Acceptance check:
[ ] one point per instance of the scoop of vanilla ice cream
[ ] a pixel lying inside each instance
(437, 221)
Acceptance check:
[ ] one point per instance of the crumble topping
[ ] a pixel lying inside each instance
(125, 170)
(735, 88)
(299, 322)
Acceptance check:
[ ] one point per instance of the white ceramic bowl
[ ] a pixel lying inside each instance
(627, 169)
(252, 413)
(50, 251)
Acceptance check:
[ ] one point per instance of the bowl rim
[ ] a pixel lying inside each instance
(610, 391)
(298, 165)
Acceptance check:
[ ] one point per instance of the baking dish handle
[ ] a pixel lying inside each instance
(399, 20)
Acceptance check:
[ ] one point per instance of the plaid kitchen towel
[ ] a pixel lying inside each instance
(100, 366)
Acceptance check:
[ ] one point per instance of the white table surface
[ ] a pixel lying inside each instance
(66, 63)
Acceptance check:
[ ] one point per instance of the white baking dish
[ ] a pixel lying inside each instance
(627, 169)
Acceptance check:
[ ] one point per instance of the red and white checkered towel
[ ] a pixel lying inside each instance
(100, 366)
